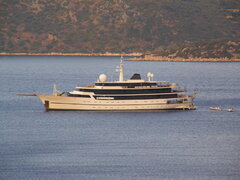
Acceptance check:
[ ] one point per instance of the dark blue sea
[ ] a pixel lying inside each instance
(194, 145)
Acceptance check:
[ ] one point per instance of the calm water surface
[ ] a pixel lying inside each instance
(199, 144)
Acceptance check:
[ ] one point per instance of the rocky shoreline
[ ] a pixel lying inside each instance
(134, 57)
(179, 59)
(72, 54)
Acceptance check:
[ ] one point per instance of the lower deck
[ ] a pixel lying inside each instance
(52, 102)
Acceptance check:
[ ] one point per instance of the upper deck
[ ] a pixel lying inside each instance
(126, 87)
(133, 84)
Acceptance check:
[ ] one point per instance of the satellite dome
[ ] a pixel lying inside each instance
(102, 78)
(148, 74)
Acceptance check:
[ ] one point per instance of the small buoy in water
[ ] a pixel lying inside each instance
(230, 109)
(215, 108)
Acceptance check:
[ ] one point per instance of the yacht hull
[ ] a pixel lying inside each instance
(53, 102)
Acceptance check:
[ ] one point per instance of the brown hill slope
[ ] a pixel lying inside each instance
(166, 26)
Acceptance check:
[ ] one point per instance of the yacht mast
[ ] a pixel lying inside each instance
(121, 70)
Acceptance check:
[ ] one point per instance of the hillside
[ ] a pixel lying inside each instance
(185, 28)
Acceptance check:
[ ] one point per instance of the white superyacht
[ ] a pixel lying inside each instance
(134, 94)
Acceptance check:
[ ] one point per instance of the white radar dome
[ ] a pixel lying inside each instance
(148, 74)
(102, 78)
